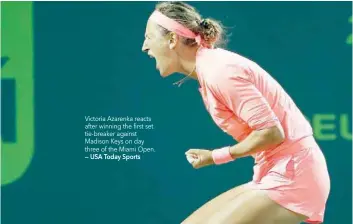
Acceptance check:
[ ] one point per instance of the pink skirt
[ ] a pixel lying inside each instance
(296, 178)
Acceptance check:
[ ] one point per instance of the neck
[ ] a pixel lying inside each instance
(188, 62)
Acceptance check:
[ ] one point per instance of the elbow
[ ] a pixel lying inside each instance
(276, 135)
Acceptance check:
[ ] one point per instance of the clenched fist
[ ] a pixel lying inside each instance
(199, 157)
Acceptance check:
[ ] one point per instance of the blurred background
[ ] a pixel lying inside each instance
(61, 61)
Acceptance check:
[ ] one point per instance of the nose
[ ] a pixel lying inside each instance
(144, 47)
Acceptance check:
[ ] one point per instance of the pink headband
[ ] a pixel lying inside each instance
(174, 26)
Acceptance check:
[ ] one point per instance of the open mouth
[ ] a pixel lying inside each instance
(151, 56)
(155, 61)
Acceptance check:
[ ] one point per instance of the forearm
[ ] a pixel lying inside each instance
(258, 141)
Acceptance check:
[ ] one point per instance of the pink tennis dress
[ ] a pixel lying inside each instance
(242, 97)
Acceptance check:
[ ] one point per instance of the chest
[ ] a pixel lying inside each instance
(223, 117)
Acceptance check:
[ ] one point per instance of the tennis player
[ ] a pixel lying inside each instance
(291, 183)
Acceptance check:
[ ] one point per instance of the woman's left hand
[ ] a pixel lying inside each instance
(199, 157)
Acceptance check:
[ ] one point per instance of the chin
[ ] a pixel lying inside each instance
(165, 74)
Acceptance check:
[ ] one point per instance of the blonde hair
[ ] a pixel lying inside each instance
(210, 30)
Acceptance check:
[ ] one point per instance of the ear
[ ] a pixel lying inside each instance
(173, 40)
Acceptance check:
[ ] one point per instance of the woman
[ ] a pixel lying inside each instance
(291, 183)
